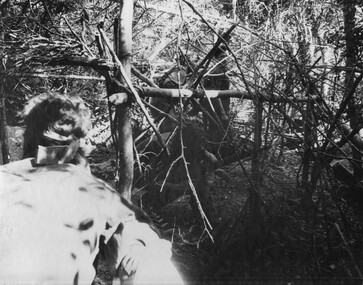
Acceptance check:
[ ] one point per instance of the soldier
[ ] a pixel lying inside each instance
(56, 218)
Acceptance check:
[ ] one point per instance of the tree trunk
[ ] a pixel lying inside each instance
(349, 11)
(3, 125)
(254, 200)
(257, 142)
(123, 43)
(308, 152)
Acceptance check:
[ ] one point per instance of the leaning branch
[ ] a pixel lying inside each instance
(133, 90)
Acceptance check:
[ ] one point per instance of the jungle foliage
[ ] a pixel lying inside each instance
(298, 66)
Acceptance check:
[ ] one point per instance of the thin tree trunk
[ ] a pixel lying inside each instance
(3, 125)
(254, 201)
(349, 11)
(123, 43)
(256, 157)
(308, 152)
(304, 58)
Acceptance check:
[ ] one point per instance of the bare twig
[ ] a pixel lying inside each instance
(348, 250)
(210, 55)
(207, 225)
(170, 117)
(139, 75)
(77, 37)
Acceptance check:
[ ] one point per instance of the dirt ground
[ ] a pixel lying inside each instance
(210, 258)
(197, 255)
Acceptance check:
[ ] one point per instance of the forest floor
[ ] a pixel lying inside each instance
(283, 240)
(226, 255)
(280, 239)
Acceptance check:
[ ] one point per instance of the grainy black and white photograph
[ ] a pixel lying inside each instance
(181, 142)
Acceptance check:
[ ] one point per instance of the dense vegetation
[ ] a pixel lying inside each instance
(292, 130)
